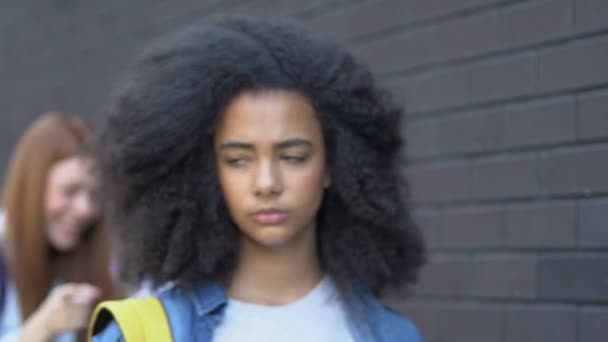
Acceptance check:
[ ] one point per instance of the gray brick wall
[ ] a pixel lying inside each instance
(507, 128)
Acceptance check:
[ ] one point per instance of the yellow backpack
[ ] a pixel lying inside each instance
(140, 319)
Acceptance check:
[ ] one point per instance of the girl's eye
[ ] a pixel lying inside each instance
(236, 161)
(295, 159)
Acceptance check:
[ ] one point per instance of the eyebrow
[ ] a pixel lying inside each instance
(236, 145)
(294, 142)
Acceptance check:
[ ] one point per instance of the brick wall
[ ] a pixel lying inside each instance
(507, 128)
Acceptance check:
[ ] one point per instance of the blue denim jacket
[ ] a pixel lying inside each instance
(194, 313)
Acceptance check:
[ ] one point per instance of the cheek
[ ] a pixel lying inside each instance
(308, 186)
(233, 186)
(55, 203)
(55, 209)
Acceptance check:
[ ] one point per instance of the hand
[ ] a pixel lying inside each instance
(66, 308)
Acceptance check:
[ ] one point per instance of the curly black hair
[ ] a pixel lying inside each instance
(157, 164)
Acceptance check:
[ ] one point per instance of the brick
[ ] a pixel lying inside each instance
(422, 138)
(440, 183)
(446, 276)
(501, 276)
(468, 36)
(437, 90)
(535, 22)
(576, 171)
(472, 132)
(456, 134)
(424, 315)
(428, 222)
(363, 19)
(592, 324)
(555, 323)
(442, 7)
(593, 223)
(577, 64)
(544, 122)
(507, 77)
(591, 15)
(593, 115)
(472, 227)
(544, 225)
(405, 51)
(490, 129)
(295, 9)
(505, 177)
(580, 278)
(471, 322)
(504, 276)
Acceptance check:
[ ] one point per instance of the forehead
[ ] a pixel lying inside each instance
(71, 169)
(269, 116)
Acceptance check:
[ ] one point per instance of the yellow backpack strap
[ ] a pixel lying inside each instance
(139, 319)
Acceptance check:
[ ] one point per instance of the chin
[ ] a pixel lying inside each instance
(65, 246)
(272, 237)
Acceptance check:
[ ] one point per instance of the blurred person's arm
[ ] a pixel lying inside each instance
(66, 308)
(36, 328)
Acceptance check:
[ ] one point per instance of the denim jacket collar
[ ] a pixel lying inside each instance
(208, 297)
(369, 319)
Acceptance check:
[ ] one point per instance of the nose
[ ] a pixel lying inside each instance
(267, 180)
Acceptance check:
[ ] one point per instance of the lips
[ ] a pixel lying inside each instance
(269, 217)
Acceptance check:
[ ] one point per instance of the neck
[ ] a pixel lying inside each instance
(278, 275)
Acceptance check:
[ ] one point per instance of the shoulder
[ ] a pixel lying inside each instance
(140, 316)
(396, 327)
(175, 300)
(386, 322)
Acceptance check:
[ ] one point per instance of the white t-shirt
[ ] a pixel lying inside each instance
(319, 317)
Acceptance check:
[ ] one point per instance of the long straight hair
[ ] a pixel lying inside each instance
(32, 262)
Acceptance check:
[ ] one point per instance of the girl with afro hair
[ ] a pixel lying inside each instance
(256, 170)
